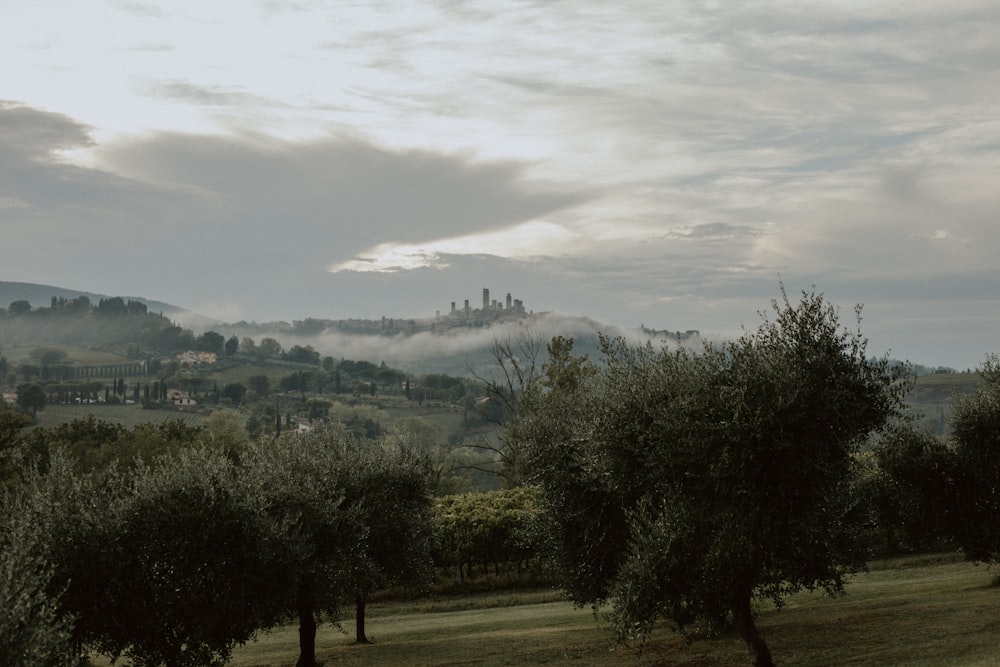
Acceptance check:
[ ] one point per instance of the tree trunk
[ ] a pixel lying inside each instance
(307, 633)
(756, 643)
(359, 621)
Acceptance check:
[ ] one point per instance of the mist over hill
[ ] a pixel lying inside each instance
(434, 345)
(40, 296)
(451, 345)
(454, 351)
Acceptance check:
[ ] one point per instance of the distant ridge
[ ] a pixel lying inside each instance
(40, 296)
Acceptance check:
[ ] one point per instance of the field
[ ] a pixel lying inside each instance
(933, 397)
(919, 611)
(126, 415)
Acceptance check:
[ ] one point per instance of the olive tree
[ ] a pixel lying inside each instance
(353, 515)
(194, 568)
(33, 630)
(388, 492)
(298, 482)
(976, 434)
(162, 564)
(915, 489)
(691, 486)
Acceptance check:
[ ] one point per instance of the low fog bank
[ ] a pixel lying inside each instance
(457, 351)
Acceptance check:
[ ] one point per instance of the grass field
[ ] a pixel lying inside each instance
(922, 612)
(126, 415)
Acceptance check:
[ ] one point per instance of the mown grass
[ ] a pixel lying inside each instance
(126, 415)
(922, 612)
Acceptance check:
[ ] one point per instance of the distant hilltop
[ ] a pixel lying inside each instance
(42, 296)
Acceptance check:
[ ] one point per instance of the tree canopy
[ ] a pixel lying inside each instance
(976, 431)
(689, 485)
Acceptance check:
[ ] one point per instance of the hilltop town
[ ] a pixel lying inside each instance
(490, 312)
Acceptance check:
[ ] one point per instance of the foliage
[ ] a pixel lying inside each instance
(442, 464)
(33, 632)
(11, 424)
(189, 571)
(177, 563)
(976, 432)
(31, 397)
(352, 515)
(486, 528)
(387, 492)
(210, 341)
(93, 443)
(687, 486)
(112, 324)
(915, 489)
(234, 391)
(302, 355)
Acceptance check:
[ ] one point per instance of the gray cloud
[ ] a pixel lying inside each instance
(339, 196)
(262, 212)
(217, 96)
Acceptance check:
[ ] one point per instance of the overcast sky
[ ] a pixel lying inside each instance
(659, 163)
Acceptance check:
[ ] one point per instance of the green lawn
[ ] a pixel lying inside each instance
(126, 415)
(936, 611)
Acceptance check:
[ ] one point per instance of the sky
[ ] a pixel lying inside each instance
(669, 164)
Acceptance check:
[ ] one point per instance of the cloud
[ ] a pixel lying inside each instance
(337, 197)
(37, 135)
(215, 96)
(258, 210)
(529, 240)
(465, 347)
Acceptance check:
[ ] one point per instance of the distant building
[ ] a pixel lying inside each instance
(180, 399)
(193, 359)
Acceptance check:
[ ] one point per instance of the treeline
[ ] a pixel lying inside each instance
(174, 547)
(115, 324)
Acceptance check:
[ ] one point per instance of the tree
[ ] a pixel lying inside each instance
(387, 493)
(234, 391)
(517, 365)
(299, 483)
(317, 408)
(31, 398)
(268, 347)
(211, 341)
(915, 491)
(19, 307)
(165, 565)
(11, 423)
(193, 570)
(976, 432)
(49, 356)
(33, 632)
(690, 485)
(303, 355)
(232, 345)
